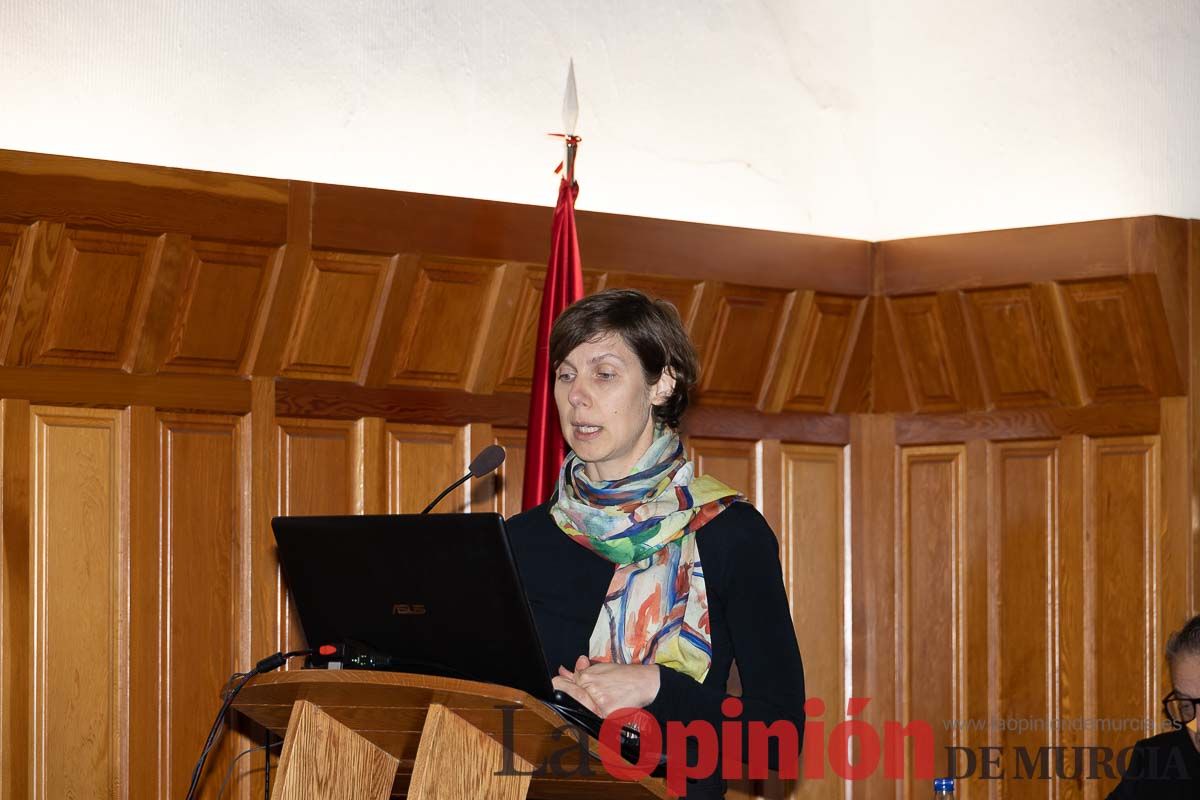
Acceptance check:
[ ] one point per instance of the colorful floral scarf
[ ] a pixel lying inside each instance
(656, 608)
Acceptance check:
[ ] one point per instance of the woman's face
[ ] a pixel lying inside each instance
(1185, 677)
(604, 405)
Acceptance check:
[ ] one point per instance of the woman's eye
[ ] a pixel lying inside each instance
(565, 376)
(606, 376)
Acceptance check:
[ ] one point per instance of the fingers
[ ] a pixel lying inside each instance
(614, 686)
(589, 675)
(566, 673)
(582, 663)
(574, 690)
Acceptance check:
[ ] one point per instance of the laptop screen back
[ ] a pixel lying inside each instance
(439, 594)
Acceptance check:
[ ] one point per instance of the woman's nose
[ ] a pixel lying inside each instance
(577, 396)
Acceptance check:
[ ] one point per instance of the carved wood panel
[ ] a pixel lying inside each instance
(446, 324)
(337, 316)
(888, 386)
(318, 475)
(221, 308)
(739, 355)
(1121, 565)
(730, 461)
(1026, 595)
(422, 460)
(9, 236)
(1022, 354)
(815, 564)
(317, 472)
(13, 243)
(1110, 335)
(511, 476)
(932, 685)
(817, 352)
(516, 365)
(202, 536)
(929, 337)
(94, 286)
(79, 584)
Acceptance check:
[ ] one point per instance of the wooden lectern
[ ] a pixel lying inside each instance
(363, 735)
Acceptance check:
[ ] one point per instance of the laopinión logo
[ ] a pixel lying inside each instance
(1074, 762)
(699, 749)
(1066, 763)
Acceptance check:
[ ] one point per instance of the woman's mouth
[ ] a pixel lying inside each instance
(585, 432)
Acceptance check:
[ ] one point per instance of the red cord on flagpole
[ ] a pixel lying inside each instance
(572, 142)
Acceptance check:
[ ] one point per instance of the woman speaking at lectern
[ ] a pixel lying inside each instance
(647, 580)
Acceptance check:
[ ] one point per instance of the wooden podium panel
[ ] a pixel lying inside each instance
(323, 758)
(448, 744)
(447, 736)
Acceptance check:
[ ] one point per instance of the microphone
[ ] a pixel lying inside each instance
(488, 459)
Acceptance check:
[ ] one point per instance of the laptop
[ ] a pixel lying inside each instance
(436, 594)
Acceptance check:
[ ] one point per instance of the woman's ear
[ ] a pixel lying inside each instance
(663, 388)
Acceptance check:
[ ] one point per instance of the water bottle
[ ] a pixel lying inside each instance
(943, 788)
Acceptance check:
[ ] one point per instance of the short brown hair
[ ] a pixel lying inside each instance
(1185, 641)
(652, 329)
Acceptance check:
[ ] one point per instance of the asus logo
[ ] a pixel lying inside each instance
(408, 608)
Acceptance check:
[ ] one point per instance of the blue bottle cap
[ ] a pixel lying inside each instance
(943, 784)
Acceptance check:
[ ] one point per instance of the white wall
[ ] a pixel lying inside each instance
(1006, 113)
(861, 118)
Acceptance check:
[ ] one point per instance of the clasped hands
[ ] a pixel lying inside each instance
(604, 688)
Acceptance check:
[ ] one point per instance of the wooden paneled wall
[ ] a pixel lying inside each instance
(1036, 579)
(978, 452)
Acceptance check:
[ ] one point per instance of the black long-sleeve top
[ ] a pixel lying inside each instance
(1162, 767)
(748, 611)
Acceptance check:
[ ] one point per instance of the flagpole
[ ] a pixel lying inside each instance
(544, 444)
(572, 147)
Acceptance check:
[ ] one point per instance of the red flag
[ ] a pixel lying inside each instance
(544, 445)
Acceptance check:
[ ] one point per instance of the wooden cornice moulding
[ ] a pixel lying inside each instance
(1116, 419)
(330, 400)
(141, 199)
(720, 422)
(114, 389)
(378, 220)
(1068, 251)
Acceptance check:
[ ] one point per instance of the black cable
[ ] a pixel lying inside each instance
(246, 752)
(212, 734)
(271, 662)
(267, 765)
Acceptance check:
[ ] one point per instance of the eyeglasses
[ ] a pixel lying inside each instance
(1179, 709)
